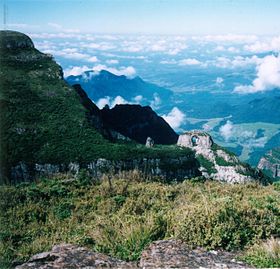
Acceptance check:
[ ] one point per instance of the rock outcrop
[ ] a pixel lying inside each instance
(175, 169)
(270, 163)
(160, 254)
(194, 139)
(216, 162)
(138, 123)
(15, 40)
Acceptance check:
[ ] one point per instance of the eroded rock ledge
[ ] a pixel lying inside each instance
(160, 254)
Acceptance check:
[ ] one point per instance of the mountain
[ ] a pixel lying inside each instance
(104, 83)
(270, 163)
(47, 126)
(266, 109)
(138, 123)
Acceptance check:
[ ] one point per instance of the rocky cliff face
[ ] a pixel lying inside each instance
(270, 163)
(165, 169)
(216, 162)
(138, 123)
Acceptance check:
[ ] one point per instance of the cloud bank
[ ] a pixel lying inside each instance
(268, 76)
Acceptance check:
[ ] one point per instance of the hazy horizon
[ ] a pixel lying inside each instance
(143, 17)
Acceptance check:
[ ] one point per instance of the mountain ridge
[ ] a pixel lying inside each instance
(104, 83)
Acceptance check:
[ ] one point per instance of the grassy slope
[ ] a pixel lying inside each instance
(42, 119)
(122, 219)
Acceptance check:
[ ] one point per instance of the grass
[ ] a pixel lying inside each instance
(122, 217)
(264, 254)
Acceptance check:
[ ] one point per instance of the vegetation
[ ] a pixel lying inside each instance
(222, 162)
(208, 165)
(264, 254)
(122, 215)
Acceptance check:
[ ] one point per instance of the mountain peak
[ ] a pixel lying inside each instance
(15, 40)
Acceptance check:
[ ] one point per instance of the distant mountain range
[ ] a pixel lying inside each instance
(102, 84)
(266, 109)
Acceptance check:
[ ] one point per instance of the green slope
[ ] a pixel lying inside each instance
(42, 119)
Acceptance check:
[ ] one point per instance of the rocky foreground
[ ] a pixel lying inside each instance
(160, 254)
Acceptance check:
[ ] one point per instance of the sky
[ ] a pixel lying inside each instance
(188, 17)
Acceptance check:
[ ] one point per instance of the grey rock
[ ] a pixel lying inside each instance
(150, 142)
(186, 167)
(175, 254)
(270, 163)
(66, 256)
(193, 139)
(160, 254)
(231, 170)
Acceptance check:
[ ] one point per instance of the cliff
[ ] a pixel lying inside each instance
(270, 163)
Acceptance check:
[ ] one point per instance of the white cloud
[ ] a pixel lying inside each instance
(219, 80)
(227, 38)
(75, 71)
(155, 103)
(189, 62)
(238, 134)
(168, 62)
(206, 127)
(158, 47)
(98, 46)
(112, 61)
(264, 46)
(92, 59)
(233, 49)
(268, 76)
(237, 61)
(103, 102)
(175, 118)
(128, 71)
(118, 100)
(226, 131)
(220, 48)
(138, 98)
(72, 53)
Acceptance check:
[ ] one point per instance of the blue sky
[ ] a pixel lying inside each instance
(145, 16)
